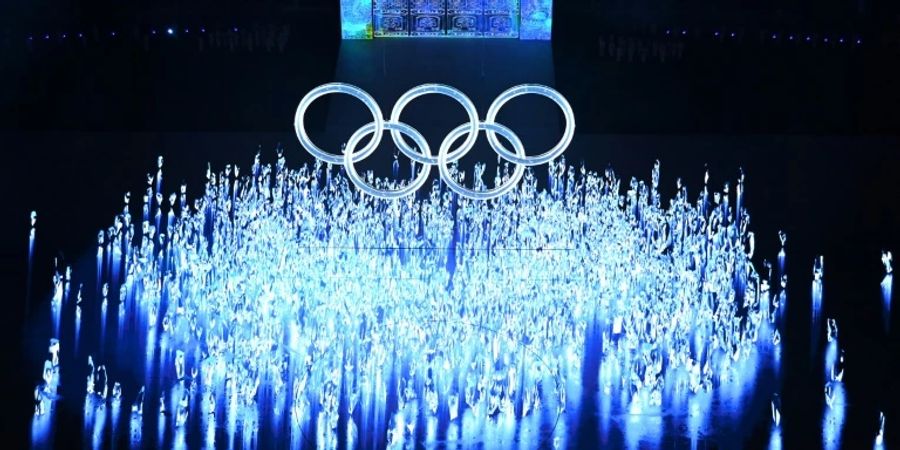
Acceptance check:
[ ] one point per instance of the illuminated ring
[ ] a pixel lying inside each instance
(445, 156)
(496, 191)
(338, 88)
(545, 91)
(449, 91)
(398, 127)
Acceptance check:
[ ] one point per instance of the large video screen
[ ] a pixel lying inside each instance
(524, 19)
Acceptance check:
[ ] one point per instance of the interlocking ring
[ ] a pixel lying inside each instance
(520, 90)
(496, 191)
(421, 153)
(451, 92)
(398, 127)
(338, 88)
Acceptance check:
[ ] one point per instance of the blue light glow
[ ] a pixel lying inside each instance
(835, 412)
(886, 294)
(289, 289)
(537, 19)
(879, 438)
(887, 286)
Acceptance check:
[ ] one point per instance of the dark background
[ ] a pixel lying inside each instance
(814, 124)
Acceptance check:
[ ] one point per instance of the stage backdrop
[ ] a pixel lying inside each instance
(523, 19)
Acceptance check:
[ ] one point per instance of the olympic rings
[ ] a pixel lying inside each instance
(421, 152)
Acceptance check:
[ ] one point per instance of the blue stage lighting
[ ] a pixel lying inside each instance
(304, 299)
(284, 296)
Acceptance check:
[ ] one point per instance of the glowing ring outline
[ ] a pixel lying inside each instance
(338, 88)
(445, 155)
(544, 91)
(496, 191)
(442, 89)
(384, 194)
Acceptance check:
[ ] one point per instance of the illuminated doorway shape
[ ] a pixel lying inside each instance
(523, 19)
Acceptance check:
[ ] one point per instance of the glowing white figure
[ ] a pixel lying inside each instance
(286, 283)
